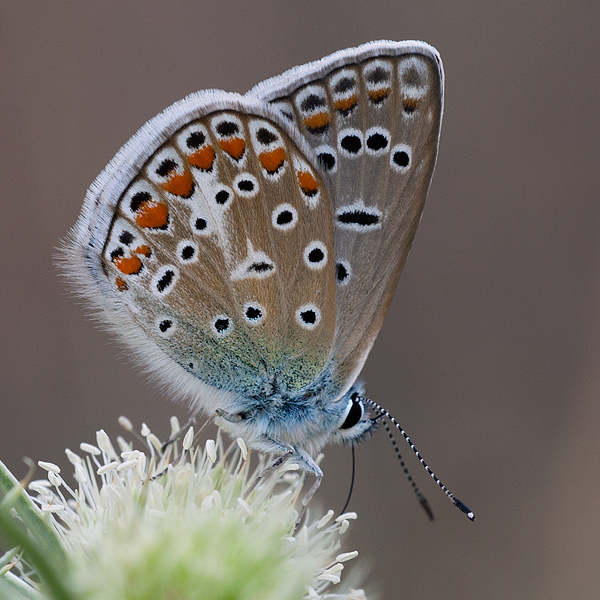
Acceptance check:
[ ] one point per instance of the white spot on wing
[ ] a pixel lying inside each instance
(254, 313)
(257, 124)
(378, 78)
(350, 142)
(281, 212)
(164, 281)
(327, 155)
(201, 224)
(165, 326)
(400, 158)
(315, 255)
(377, 141)
(222, 325)
(312, 100)
(246, 185)
(256, 265)
(414, 77)
(221, 118)
(193, 139)
(358, 217)
(308, 316)
(227, 127)
(187, 252)
(343, 272)
(285, 109)
(269, 147)
(344, 90)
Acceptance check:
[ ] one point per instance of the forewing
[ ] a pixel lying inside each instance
(372, 115)
(209, 241)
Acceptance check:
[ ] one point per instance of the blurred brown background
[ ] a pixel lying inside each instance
(490, 355)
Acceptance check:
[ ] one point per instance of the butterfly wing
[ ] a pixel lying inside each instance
(208, 244)
(372, 115)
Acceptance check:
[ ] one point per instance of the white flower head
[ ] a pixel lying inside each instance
(156, 524)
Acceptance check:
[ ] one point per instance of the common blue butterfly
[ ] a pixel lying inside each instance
(246, 248)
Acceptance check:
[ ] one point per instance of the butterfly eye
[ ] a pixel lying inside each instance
(354, 412)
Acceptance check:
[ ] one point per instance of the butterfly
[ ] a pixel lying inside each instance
(246, 248)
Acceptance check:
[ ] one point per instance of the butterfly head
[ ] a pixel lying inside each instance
(307, 419)
(357, 425)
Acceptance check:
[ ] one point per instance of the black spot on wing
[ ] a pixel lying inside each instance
(312, 101)
(227, 128)
(260, 267)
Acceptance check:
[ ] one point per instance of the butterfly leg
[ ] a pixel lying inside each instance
(308, 464)
(175, 436)
(288, 452)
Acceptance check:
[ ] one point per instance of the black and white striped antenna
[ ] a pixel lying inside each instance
(460, 505)
(420, 497)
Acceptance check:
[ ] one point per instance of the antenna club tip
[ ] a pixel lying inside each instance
(427, 508)
(464, 508)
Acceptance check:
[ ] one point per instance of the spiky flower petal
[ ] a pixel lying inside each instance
(175, 525)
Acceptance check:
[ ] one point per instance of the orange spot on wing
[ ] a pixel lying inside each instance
(152, 214)
(317, 121)
(409, 104)
(180, 184)
(203, 158)
(379, 95)
(346, 104)
(121, 284)
(127, 266)
(144, 250)
(234, 147)
(272, 161)
(308, 183)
